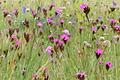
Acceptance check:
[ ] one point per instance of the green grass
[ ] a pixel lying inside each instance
(68, 62)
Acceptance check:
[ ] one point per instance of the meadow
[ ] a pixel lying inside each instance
(59, 39)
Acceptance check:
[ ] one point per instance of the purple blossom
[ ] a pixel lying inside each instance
(62, 21)
(5, 12)
(49, 20)
(51, 37)
(100, 62)
(13, 37)
(80, 75)
(94, 30)
(40, 24)
(99, 52)
(83, 6)
(23, 9)
(113, 22)
(33, 12)
(64, 37)
(59, 44)
(49, 50)
(35, 76)
(108, 65)
(58, 11)
(103, 27)
(114, 3)
(15, 12)
(117, 27)
(100, 18)
(51, 6)
(66, 32)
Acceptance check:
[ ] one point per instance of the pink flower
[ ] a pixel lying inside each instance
(113, 22)
(108, 65)
(81, 75)
(59, 44)
(66, 32)
(5, 12)
(51, 37)
(35, 76)
(15, 12)
(14, 37)
(40, 24)
(94, 30)
(83, 6)
(103, 27)
(49, 20)
(17, 42)
(33, 12)
(62, 21)
(64, 37)
(99, 52)
(49, 50)
(100, 62)
(51, 6)
(117, 27)
(58, 11)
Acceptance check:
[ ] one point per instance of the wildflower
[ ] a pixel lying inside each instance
(114, 3)
(33, 12)
(14, 37)
(50, 21)
(100, 62)
(108, 65)
(51, 6)
(23, 9)
(94, 30)
(15, 12)
(100, 18)
(99, 52)
(35, 76)
(103, 27)
(40, 24)
(51, 38)
(66, 32)
(113, 22)
(116, 28)
(80, 75)
(64, 37)
(58, 11)
(85, 8)
(59, 44)
(113, 6)
(49, 50)
(62, 21)
(5, 12)
(17, 42)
